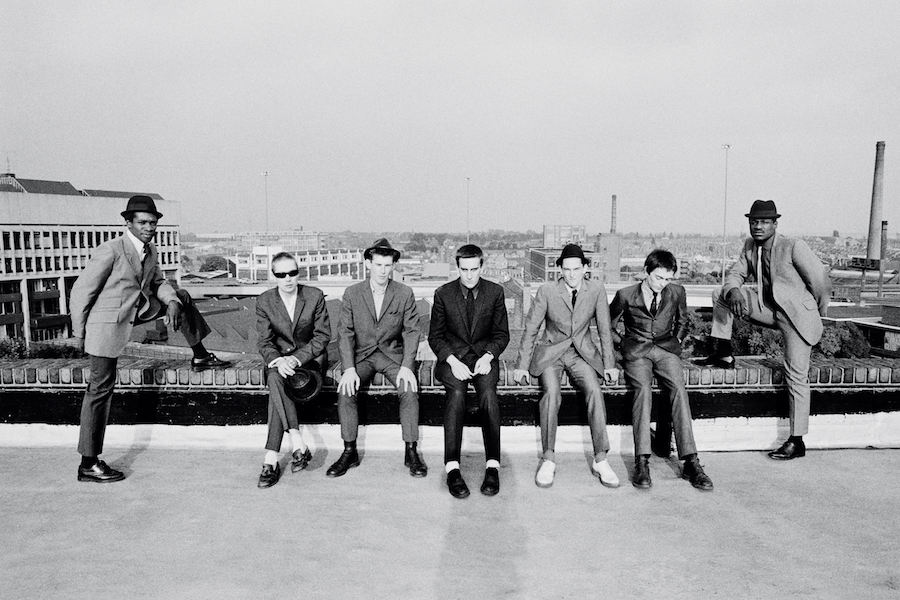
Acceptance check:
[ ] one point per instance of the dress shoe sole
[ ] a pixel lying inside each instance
(543, 485)
(418, 475)
(642, 486)
(775, 456)
(460, 495)
(698, 487)
(298, 468)
(344, 472)
(267, 485)
(91, 479)
(490, 491)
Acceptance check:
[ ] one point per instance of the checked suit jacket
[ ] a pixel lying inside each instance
(565, 326)
(303, 335)
(666, 330)
(449, 332)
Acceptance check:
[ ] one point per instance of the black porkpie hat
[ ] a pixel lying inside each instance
(572, 251)
(383, 245)
(140, 204)
(763, 209)
(304, 384)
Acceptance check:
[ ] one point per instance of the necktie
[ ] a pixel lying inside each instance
(653, 306)
(144, 254)
(574, 295)
(470, 308)
(759, 278)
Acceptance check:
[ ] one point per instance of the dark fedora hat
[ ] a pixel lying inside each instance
(763, 209)
(571, 251)
(384, 247)
(140, 204)
(304, 384)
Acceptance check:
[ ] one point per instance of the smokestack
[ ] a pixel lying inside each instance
(612, 222)
(873, 249)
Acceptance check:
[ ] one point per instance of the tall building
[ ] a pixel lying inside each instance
(293, 241)
(47, 232)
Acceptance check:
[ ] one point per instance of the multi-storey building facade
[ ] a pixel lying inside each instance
(47, 232)
(314, 265)
(542, 265)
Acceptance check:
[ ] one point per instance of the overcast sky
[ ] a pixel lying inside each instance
(371, 115)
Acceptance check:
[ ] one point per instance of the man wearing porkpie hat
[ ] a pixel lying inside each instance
(378, 333)
(567, 308)
(791, 295)
(122, 285)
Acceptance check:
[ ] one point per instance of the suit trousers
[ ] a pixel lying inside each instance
(348, 413)
(669, 373)
(796, 351)
(584, 378)
(97, 397)
(455, 410)
(282, 414)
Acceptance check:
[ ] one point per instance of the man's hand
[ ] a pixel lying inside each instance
(79, 343)
(173, 315)
(611, 376)
(406, 377)
(349, 383)
(521, 377)
(286, 365)
(736, 303)
(459, 369)
(483, 365)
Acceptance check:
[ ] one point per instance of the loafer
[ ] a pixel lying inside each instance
(457, 485)
(605, 473)
(347, 460)
(211, 361)
(719, 361)
(545, 473)
(789, 450)
(491, 484)
(412, 460)
(99, 472)
(641, 478)
(300, 460)
(269, 476)
(693, 472)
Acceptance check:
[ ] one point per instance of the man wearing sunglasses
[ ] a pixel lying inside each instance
(378, 333)
(293, 333)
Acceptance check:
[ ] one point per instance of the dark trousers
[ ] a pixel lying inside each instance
(283, 414)
(455, 410)
(97, 397)
(639, 373)
(348, 412)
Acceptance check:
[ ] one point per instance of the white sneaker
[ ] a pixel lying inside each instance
(607, 476)
(544, 476)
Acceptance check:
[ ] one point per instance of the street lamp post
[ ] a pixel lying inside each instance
(468, 229)
(726, 148)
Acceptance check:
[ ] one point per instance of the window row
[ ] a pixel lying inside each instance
(28, 240)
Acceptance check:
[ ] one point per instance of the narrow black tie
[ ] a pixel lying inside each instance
(470, 308)
(653, 304)
(574, 295)
(145, 254)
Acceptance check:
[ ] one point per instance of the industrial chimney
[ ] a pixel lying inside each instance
(612, 222)
(873, 248)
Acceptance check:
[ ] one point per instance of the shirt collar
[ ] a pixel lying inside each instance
(377, 290)
(767, 244)
(465, 290)
(138, 244)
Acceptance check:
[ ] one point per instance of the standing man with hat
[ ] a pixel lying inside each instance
(378, 333)
(122, 285)
(567, 308)
(292, 335)
(792, 292)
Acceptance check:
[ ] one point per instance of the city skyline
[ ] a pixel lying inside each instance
(375, 117)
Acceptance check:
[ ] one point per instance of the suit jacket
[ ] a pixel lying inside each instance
(396, 333)
(450, 334)
(565, 326)
(800, 284)
(303, 335)
(105, 297)
(642, 330)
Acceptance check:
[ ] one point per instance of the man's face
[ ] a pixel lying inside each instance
(380, 268)
(143, 226)
(288, 283)
(659, 278)
(469, 271)
(762, 229)
(573, 271)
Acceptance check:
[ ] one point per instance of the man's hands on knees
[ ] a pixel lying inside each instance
(737, 304)
(483, 365)
(173, 315)
(405, 377)
(460, 370)
(521, 377)
(349, 383)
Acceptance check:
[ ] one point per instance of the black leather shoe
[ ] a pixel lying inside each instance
(720, 361)
(209, 362)
(789, 450)
(412, 460)
(641, 477)
(693, 472)
(457, 485)
(300, 460)
(269, 476)
(491, 484)
(349, 458)
(99, 472)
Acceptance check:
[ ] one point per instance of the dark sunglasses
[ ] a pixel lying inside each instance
(293, 273)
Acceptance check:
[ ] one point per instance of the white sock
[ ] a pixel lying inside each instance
(297, 440)
(271, 458)
(492, 464)
(453, 464)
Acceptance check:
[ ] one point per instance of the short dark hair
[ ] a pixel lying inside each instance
(469, 251)
(661, 258)
(283, 256)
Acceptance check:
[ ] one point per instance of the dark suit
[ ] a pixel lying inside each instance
(451, 334)
(379, 345)
(113, 293)
(652, 346)
(303, 335)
